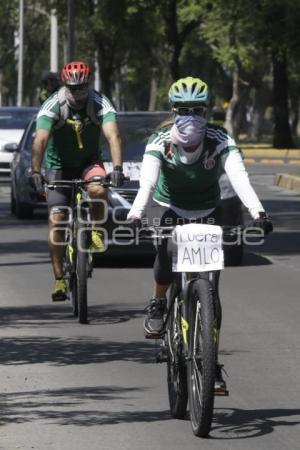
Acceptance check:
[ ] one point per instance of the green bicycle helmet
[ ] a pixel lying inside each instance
(188, 90)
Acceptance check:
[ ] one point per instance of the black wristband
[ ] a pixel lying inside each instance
(118, 168)
(35, 171)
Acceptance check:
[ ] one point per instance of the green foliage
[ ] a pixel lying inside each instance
(233, 30)
(138, 41)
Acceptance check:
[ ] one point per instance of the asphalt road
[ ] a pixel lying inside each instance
(66, 386)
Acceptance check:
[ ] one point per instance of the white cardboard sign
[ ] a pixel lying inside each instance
(199, 248)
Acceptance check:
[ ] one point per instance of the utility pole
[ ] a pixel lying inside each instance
(71, 42)
(97, 77)
(53, 41)
(20, 54)
(97, 80)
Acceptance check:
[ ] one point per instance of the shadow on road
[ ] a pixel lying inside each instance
(25, 263)
(253, 259)
(249, 259)
(11, 222)
(282, 243)
(284, 213)
(29, 246)
(55, 316)
(245, 424)
(64, 351)
(74, 406)
(124, 261)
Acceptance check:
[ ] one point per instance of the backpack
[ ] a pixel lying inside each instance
(65, 110)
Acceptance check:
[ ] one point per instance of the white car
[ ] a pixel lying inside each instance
(13, 120)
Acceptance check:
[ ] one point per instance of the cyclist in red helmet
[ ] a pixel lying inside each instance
(69, 125)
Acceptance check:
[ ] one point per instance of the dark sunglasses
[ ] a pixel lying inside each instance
(186, 111)
(80, 87)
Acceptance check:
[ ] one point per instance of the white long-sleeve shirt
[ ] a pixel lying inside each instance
(233, 165)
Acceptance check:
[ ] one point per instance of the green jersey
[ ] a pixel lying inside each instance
(63, 149)
(192, 186)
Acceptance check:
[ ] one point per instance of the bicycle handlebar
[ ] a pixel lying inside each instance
(103, 181)
(165, 232)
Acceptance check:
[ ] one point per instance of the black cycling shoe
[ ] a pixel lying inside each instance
(220, 384)
(153, 324)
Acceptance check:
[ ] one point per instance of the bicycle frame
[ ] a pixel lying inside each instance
(78, 257)
(190, 334)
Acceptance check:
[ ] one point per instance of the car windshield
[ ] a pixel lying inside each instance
(14, 120)
(135, 130)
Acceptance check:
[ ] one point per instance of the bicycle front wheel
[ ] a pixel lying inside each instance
(202, 357)
(73, 293)
(82, 273)
(69, 267)
(177, 379)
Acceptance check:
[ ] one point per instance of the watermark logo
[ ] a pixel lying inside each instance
(116, 230)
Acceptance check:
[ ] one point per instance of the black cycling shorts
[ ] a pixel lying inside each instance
(60, 197)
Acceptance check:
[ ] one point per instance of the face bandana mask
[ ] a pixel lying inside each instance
(77, 99)
(188, 130)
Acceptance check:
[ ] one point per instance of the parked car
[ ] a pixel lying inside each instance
(13, 120)
(135, 128)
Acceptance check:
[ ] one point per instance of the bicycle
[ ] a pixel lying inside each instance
(78, 258)
(190, 335)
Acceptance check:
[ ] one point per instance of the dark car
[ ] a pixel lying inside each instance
(23, 197)
(135, 128)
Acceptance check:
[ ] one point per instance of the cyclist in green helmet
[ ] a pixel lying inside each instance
(69, 125)
(180, 171)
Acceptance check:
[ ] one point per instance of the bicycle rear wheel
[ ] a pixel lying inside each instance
(176, 366)
(202, 362)
(82, 273)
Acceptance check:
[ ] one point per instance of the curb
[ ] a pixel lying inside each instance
(270, 155)
(286, 181)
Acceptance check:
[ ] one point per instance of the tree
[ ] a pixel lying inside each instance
(283, 43)
(109, 28)
(8, 75)
(231, 28)
(181, 17)
(249, 36)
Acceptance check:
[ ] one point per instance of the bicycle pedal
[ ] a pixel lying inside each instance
(221, 393)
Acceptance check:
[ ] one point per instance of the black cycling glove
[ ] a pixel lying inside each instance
(263, 222)
(117, 176)
(37, 182)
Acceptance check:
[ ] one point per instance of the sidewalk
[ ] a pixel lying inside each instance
(287, 181)
(268, 155)
(273, 156)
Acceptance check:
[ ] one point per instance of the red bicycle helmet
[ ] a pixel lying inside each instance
(75, 73)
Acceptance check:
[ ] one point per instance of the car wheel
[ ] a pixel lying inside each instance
(233, 255)
(23, 210)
